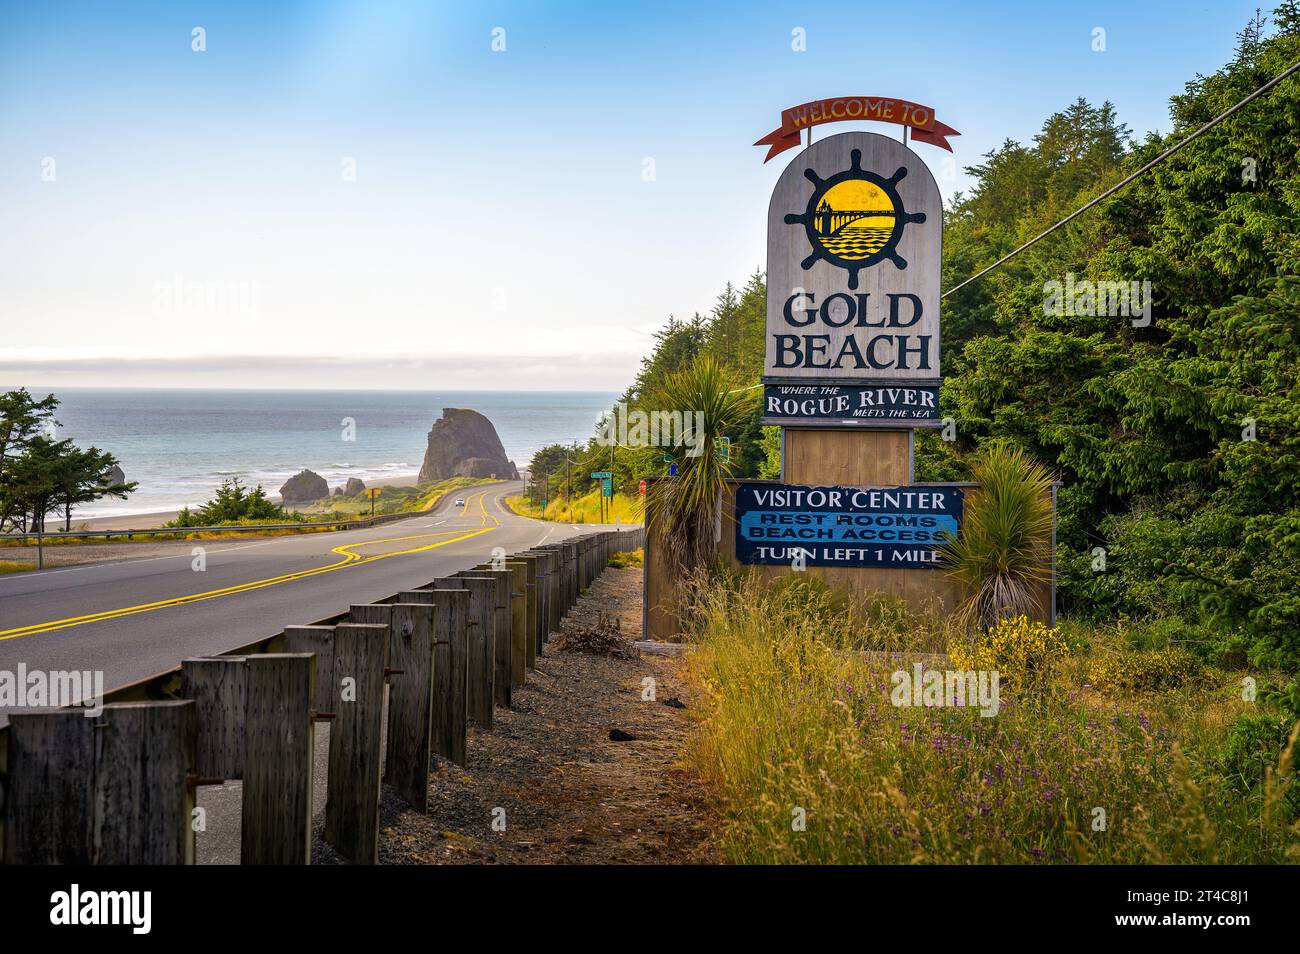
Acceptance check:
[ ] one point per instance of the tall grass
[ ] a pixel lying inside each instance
(797, 716)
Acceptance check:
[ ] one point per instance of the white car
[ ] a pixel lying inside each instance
(460, 502)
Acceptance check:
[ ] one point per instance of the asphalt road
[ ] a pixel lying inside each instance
(132, 619)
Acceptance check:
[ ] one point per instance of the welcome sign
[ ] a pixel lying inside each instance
(853, 254)
(899, 527)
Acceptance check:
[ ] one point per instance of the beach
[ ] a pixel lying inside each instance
(148, 521)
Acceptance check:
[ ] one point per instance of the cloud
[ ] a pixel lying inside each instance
(504, 372)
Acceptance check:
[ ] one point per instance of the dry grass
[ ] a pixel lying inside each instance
(793, 722)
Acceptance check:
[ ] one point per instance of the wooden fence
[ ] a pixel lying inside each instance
(413, 670)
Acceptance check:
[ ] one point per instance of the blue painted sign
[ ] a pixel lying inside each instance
(899, 527)
(883, 404)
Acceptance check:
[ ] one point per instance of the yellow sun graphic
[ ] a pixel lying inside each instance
(854, 219)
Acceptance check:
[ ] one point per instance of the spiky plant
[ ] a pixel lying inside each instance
(683, 511)
(1001, 556)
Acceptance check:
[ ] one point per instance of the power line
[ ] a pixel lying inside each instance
(1123, 182)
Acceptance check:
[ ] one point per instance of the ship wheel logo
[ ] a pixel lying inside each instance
(855, 218)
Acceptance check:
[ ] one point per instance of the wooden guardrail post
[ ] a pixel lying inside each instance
(518, 622)
(450, 673)
(545, 581)
(481, 640)
(555, 578)
(530, 591)
(112, 789)
(501, 630)
(571, 573)
(276, 822)
(218, 685)
(320, 641)
(352, 799)
(410, 701)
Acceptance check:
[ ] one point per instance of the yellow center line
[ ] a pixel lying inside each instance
(349, 559)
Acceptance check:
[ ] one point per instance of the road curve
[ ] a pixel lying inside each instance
(132, 619)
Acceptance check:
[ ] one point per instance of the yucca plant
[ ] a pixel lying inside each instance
(1001, 556)
(683, 510)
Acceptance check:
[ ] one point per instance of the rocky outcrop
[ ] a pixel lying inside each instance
(304, 487)
(115, 476)
(463, 443)
(354, 486)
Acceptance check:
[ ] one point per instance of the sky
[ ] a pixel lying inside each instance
(476, 195)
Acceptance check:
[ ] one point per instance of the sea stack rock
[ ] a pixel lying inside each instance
(304, 487)
(115, 476)
(354, 486)
(463, 443)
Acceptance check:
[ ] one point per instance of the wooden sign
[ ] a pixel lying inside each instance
(853, 254)
(893, 405)
(897, 527)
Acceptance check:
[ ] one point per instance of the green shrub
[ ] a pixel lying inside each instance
(1254, 744)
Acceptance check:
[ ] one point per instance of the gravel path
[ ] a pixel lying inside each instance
(569, 793)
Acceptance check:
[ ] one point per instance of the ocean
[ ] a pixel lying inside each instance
(181, 444)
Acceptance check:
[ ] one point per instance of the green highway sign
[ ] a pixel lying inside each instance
(600, 474)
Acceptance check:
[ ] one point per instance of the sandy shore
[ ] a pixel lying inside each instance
(147, 521)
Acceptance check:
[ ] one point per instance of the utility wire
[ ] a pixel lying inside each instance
(1123, 182)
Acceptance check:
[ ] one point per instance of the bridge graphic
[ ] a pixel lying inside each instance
(829, 221)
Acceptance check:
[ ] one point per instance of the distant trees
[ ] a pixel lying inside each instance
(233, 503)
(39, 474)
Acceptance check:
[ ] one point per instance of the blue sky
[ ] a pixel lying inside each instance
(501, 231)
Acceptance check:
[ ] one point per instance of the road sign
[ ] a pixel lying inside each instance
(672, 470)
(723, 447)
(607, 487)
(374, 492)
(600, 474)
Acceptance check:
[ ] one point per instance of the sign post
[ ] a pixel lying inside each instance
(605, 477)
(372, 493)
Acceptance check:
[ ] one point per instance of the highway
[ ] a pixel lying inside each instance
(134, 618)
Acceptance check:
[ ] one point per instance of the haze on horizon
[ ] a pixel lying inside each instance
(368, 195)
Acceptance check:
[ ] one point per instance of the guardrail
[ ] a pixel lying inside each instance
(120, 788)
(359, 524)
